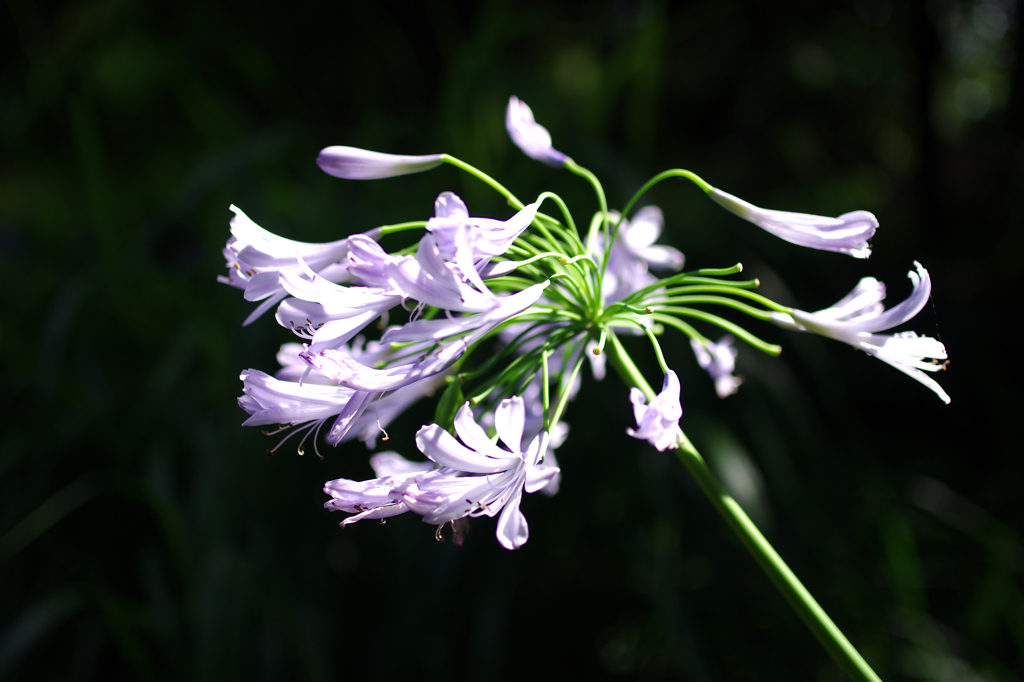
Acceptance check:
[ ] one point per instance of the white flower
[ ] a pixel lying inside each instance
(359, 164)
(530, 136)
(856, 318)
(719, 360)
(849, 233)
(658, 423)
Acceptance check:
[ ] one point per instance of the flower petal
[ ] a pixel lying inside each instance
(530, 136)
(849, 233)
(359, 164)
(442, 447)
(513, 531)
(509, 420)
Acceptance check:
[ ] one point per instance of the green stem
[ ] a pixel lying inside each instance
(400, 227)
(602, 201)
(674, 173)
(458, 163)
(565, 211)
(809, 611)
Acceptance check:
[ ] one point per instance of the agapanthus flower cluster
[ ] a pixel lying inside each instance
(495, 319)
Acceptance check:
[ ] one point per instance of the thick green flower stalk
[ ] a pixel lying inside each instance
(496, 320)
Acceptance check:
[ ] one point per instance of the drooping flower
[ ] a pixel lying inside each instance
(476, 476)
(849, 233)
(359, 164)
(858, 316)
(304, 398)
(505, 473)
(658, 422)
(530, 136)
(378, 498)
(257, 258)
(719, 360)
(272, 401)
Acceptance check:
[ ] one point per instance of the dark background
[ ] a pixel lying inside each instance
(145, 535)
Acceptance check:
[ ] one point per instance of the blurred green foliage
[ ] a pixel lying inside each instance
(145, 535)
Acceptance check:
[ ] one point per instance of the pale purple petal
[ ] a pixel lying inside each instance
(862, 304)
(271, 401)
(344, 370)
(393, 464)
(353, 409)
(856, 318)
(530, 136)
(359, 164)
(513, 530)
(367, 261)
(437, 329)
(450, 205)
(442, 447)
(475, 437)
(849, 233)
(658, 422)
(719, 360)
(265, 250)
(835, 325)
(509, 420)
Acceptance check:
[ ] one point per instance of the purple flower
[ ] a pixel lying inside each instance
(476, 476)
(330, 315)
(256, 260)
(530, 136)
(359, 164)
(719, 360)
(658, 423)
(504, 473)
(343, 369)
(486, 238)
(299, 395)
(849, 233)
(272, 401)
(856, 318)
(637, 236)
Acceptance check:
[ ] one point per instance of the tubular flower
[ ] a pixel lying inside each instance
(859, 315)
(849, 233)
(658, 423)
(530, 136)
(257, 259)
(476, 477)
(359, 164)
